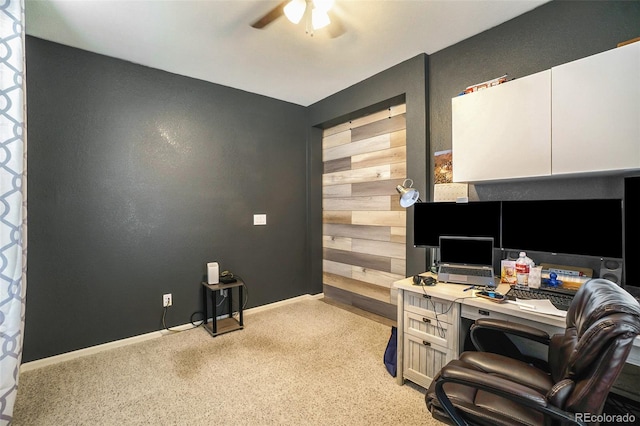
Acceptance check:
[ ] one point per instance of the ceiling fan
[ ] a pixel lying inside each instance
(316, 14)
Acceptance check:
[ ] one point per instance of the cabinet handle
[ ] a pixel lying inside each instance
(483, 312)
(424, 342)
(426, 296)
(427, 320)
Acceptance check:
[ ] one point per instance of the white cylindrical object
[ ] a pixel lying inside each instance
(213, 273)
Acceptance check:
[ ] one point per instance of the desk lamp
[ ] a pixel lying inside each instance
(408, 195)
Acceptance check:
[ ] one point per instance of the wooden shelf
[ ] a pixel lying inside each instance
(224, 325)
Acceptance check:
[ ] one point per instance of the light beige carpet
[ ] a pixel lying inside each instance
(306, 363)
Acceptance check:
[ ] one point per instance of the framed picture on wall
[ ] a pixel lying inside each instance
(443, 167)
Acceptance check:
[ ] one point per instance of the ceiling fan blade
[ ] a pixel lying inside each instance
(336, 28)
(270, 16)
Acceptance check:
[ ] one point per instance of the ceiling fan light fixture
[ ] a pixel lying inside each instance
(319, 19)
(294, 10)
(323, 5)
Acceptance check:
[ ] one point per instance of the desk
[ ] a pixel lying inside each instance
(429, 326)
(216, 326)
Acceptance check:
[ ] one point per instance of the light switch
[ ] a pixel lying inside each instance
(259, 219)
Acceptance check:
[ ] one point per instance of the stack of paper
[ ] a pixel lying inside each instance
(541, 306)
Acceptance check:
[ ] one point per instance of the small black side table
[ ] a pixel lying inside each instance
(217, 327)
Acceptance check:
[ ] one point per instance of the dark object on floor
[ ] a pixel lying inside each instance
(391, 353)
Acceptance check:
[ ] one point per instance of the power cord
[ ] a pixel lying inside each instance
(245, 290)
(440, 329)
(164, 324)
(224, 297)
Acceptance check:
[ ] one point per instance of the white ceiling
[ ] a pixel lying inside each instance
(212, 40)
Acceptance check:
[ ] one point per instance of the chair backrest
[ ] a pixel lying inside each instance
(585, 361)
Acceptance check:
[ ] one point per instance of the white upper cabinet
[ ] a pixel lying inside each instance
(503, 132)
(596, 112)
(580, 117)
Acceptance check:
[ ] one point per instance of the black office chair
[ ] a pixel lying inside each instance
(484, 388)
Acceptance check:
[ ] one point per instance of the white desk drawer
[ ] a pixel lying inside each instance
(425, 328)
(473, 313)
(430, 307)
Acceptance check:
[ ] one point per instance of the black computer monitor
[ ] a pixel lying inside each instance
(474, 219)
(591, 227)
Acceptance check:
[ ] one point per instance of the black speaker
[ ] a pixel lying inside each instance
(611, 269)
(631, 241)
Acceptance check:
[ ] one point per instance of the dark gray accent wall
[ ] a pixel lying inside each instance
(550, 35)
(137, 179)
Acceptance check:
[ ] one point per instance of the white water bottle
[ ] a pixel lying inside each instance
(523, 265)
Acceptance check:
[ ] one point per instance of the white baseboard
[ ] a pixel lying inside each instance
(28, 366)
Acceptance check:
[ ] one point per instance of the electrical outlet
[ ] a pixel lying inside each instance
(167, 300)
(223, 293)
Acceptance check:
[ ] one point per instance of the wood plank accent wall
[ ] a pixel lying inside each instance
(364, 227)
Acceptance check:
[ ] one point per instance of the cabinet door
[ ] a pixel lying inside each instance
(503, 132)
(596, 112)
(423, 360)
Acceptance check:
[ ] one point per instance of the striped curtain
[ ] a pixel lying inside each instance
(13, 201)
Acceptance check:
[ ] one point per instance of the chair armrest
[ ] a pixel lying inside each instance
(511, 370)
(516, 329)
(498, 386)
(492, 335)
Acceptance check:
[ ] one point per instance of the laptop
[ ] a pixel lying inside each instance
(466, 260)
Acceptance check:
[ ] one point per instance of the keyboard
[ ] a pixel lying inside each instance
(559, 300)
(453, 270)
